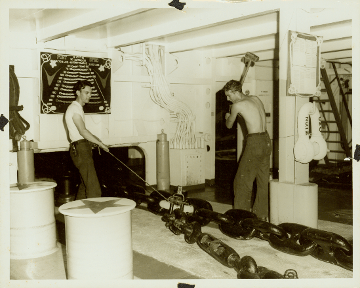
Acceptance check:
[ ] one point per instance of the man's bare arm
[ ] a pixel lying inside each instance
(231, 117)
(80, 125)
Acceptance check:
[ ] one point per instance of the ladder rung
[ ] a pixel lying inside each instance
(337, 160)
(323, 90)
(328, 121)
(337, 151)
(328, 141)
(325, 110)
(331, 132)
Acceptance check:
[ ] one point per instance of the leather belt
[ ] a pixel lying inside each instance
(260, 133)
(78, 142)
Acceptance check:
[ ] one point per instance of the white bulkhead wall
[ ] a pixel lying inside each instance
(45, 129)
(194, 77)
(52, 131)
(131, 95)
(132, 109)
(189, 75)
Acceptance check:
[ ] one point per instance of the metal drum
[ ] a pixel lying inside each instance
(32, 220)
(98, 238)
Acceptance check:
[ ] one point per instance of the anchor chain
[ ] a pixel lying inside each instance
(245, 267)
(290, 238)
(187, 215)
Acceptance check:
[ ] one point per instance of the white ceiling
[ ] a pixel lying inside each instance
(227, 33)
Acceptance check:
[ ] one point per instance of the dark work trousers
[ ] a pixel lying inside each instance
(82, 158)
(254, 164)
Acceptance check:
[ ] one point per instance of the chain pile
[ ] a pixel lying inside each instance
(185, 215)
(246, 267)
(290, 238)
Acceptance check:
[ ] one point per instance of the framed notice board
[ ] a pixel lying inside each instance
(304, 64)
(59, 73)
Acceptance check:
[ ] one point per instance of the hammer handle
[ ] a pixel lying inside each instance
(243, 76)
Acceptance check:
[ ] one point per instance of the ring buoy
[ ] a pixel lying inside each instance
(308, 148)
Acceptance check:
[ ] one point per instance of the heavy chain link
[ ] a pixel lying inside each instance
(290, 238)
(245, 267)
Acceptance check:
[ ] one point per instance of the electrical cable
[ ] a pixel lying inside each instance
(160, 94)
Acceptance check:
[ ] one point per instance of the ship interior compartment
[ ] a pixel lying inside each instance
(158, 104)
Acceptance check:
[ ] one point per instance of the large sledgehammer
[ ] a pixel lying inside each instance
(249, 60)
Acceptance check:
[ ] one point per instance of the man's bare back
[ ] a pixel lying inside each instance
(252, 110)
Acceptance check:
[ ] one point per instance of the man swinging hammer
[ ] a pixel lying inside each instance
(255, 160)
(81, 142)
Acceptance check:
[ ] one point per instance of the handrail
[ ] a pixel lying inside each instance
(335, 112)
(342, 94)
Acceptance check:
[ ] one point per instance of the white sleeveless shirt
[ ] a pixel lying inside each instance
(73, 108)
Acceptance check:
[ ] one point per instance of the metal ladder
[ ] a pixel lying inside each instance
(336, 115)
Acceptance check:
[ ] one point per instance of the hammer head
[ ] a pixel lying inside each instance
(250, 57)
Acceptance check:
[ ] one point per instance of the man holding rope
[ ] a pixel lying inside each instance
(255, 161)
(81, 142)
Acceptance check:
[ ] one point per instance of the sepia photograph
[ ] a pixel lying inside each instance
(179, 143)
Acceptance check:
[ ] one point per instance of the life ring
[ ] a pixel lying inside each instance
(308, 148)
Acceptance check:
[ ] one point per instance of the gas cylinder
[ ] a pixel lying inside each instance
(162, 162)
(25, 159)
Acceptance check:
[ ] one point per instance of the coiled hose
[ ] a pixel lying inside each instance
(17, 125)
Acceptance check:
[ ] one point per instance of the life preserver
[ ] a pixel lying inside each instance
(308, 148)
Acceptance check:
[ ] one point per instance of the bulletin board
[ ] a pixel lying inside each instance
(304, 65)
(59, 73)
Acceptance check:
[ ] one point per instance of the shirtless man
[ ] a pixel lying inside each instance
(81, 142)
(255, 161)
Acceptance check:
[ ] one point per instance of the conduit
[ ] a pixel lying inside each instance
(160, 94)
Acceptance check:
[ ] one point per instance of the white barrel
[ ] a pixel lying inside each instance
(32, 220)
(98, 238)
